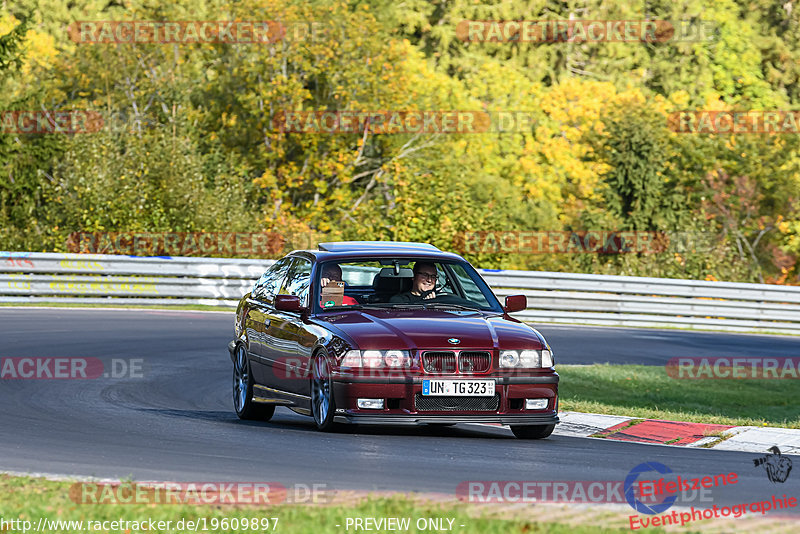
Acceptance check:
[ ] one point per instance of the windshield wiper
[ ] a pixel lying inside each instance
(372, 306)
(402, 306)
(452, 306)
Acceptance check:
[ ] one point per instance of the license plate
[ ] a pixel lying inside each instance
(458, 388)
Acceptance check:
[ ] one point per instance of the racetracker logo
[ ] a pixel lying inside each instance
(734, 122)
(733, 368)
(180, 32)
(583, 31)
(557, 242)
(46, 368)
(567, 491)
(200, 493)
(527, 491)
(223, 244)
(403, 122)
(50, 122)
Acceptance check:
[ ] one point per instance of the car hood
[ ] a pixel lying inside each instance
(414, 329)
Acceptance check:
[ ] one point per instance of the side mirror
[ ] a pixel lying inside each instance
(515, 303)
(290, 303)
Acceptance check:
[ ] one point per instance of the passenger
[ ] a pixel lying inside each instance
(331, 272)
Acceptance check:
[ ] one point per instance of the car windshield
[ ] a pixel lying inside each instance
(402, 283)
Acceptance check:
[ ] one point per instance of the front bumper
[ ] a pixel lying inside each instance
(402, 393)
(231, 348)
(418, 419)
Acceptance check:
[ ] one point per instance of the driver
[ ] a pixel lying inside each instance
(423, 284)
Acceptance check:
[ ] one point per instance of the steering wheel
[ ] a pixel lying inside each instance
(438, 288)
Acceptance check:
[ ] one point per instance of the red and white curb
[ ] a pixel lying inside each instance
(759, 439)
(658, 432)
(583, 425)
(680, 434)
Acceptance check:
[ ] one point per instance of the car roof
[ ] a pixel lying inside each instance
(343, 246)
(344, 250)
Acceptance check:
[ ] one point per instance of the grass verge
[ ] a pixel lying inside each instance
(648, 392)
(30, 499)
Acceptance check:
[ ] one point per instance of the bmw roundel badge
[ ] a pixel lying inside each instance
(454, 341)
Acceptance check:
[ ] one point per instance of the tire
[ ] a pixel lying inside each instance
(243, 390)
(532, 431)
(322, 399)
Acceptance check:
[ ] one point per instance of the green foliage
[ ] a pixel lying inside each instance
(10, 49)
(635, 147)
(190, 143)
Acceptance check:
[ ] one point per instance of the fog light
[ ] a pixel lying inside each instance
(370, 404)
(536, 404)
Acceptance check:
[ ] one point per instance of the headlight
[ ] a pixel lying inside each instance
(352, 359)
(528, 359)
(509, 358)
(371, 358)
(394, 359)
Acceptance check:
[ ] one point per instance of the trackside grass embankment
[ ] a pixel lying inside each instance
(648, 392)
(29, 499)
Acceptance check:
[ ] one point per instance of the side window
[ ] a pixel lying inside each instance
(258, 287)
(298, 280)
(271, 281)
(445, 281)
(442, 281)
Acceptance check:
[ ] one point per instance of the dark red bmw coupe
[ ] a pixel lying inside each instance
(386, 332)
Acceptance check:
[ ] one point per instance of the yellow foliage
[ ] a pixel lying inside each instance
(39, 48)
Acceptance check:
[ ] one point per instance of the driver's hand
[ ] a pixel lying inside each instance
(431, 295)
(325, 281)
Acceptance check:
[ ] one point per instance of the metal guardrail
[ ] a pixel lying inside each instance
(552, 297)
(640, 301)
(109, 279)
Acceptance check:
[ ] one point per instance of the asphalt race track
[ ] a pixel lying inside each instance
(176, 421)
